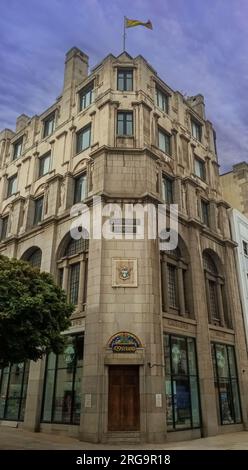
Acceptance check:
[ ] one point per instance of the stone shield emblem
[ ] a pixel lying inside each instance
(124, 273)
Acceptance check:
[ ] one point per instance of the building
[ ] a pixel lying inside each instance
(235, 187)
(239, 230)
(156, 350)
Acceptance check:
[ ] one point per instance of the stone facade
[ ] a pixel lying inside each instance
(170, 146)
(235, 187)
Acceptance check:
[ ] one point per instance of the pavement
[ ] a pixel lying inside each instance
(17, 438)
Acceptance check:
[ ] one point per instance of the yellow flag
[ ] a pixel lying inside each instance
(131, 23)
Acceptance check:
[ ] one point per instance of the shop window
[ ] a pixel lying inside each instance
(181, 383)
(226, 383)
(62, 387)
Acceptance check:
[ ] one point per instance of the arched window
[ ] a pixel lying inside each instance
(33, 256)
(174, 282)
(214, 291)
(72, 271)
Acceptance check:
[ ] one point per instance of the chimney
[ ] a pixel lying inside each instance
(76, 70)
(197, 103)
(21, 122)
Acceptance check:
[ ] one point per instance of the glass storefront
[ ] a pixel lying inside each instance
(62, 387)
(226, 383)
(13, 391)
(181, 384)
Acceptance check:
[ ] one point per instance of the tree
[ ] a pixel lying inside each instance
(33, 312)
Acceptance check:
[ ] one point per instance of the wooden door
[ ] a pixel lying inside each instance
(123, 399)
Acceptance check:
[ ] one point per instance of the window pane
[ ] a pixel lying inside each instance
(169, 403)
(74, 283)
(44, 165)
(48, 396)
(125, 80)
(38, 210)
(4, 227)
(164, 142)
(221, 360)
(172, 287)
(80, 189)
(195, 402)
(13, 391)
(167, 190)
(182, 409)
(129, 124)
(232, 363)
(49, 125)
(167, 354)
(162, 100)
(179, 355)
(236, 402)
(77, 396)
(191, 356)
(83, 139)
(3, 391)
(227, 410)
(17, 149)
(63, 396)
(214, 309)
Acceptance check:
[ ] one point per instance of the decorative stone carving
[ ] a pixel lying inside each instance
(124, 272)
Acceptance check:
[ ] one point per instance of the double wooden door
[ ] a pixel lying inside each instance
(123, 398)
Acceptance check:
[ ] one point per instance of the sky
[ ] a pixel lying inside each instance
(196, 46)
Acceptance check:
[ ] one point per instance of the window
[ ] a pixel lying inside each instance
(62, 386)
(44, 164)
(49, 125)
(245, 248)
(83, 139)
(181, 383)
(38, 210)
(200, 169)
(126, 226)
(86, 96)
(164, 143)
(215, 292)
(34, 258)
(125, 80)
(13, 391)
(74, 259)
(226, 383)
(162, 100)
(196, 130)
(17, 148)
(174, 279)
(124, 123)
(12, 186)
(74, 283)
(80, 191)
(4, 227)
(167, 189)
(205, 212)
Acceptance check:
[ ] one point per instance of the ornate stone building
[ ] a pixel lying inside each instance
(156, 350)
(235, 187)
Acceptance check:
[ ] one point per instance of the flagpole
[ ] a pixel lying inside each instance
(124, 34)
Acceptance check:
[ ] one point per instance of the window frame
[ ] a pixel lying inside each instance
(125, 71)
(171, 376)
(163, 133)
(18, 142)
(55, 371)
(89, 88)
(196, 129)
(80, 132)
(202, 168)
(165, 192)
(22, 397)
(77, 178)
(245, 247)
(50, 118)
(227, 379)
(205, 214)
(4, 227)
(125, 123)
(35, 219)
(42, 159)
(165, 99)
(10, 181)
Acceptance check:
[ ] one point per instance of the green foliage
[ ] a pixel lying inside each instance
(33, 312)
